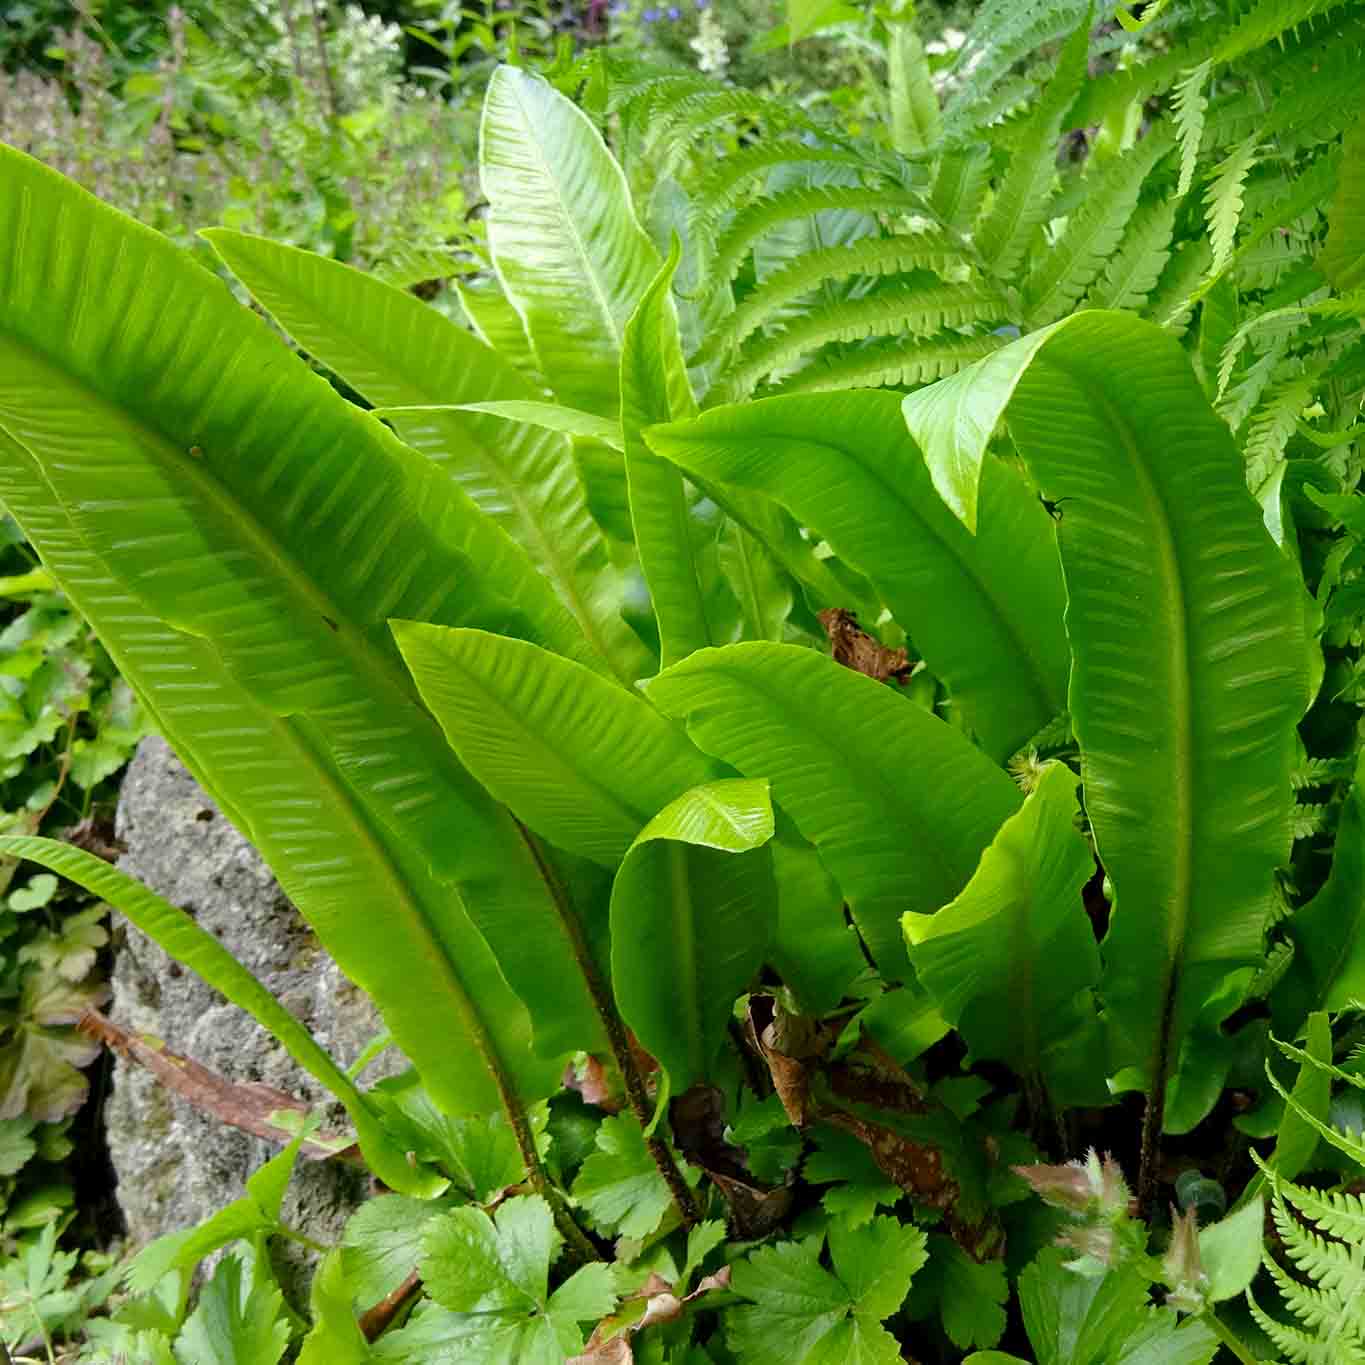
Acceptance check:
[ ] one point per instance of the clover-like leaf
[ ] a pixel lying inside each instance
(40, 1050)
(490, 1280)
(235, 1322)
(70, 953)
(34, 894)
(619, 1186)
(800, 1313)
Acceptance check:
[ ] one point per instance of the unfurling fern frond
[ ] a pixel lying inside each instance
(1064, 273)
(868, 256)
(1190, 103)
(901, 309)
(801, 201)
(1223, 199)
(890, 364)
(1135, 267)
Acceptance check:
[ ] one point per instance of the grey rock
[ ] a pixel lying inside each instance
(176, 1165)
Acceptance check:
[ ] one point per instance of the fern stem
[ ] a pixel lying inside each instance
(577, 1241)
(615, 1029)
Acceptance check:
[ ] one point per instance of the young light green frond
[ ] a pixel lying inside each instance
(1223, 199)
(916, 310)
(960, 186)
(882, 364)
(1134, 269)
(868, 256)
(1020, 202)
(1064, 272)
(802, 201)
(1191, 103)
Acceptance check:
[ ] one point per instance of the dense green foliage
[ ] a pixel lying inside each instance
(518, 671)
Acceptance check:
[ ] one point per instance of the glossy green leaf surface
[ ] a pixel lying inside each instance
(1012, 963)
(679, 556)
(859, 769)
(571, 255)
(399, 353)
(254, 624)
(580, 761)
(693, 911)
(984, 611)
(1187, 680)
(181, 937)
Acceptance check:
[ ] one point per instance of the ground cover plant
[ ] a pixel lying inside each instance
(826, 721)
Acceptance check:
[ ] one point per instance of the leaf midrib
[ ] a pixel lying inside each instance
(1181, 712)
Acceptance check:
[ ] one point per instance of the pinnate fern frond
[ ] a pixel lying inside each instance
(868, 256)
(1066, 271)
(1309, 818)
(801, 201)
(1134, 269)
(960, 185)
(1271, 427)
(1323, 1239)
(1268, 20)
(882, 364)
(719, 187)
(1002, 35)
(1021, 199)
(901, 309)
(1190, 102)
(1224, 197)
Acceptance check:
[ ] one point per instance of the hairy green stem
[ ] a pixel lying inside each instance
(1229, 1338)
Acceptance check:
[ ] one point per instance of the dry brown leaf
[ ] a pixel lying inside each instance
(853, 647)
